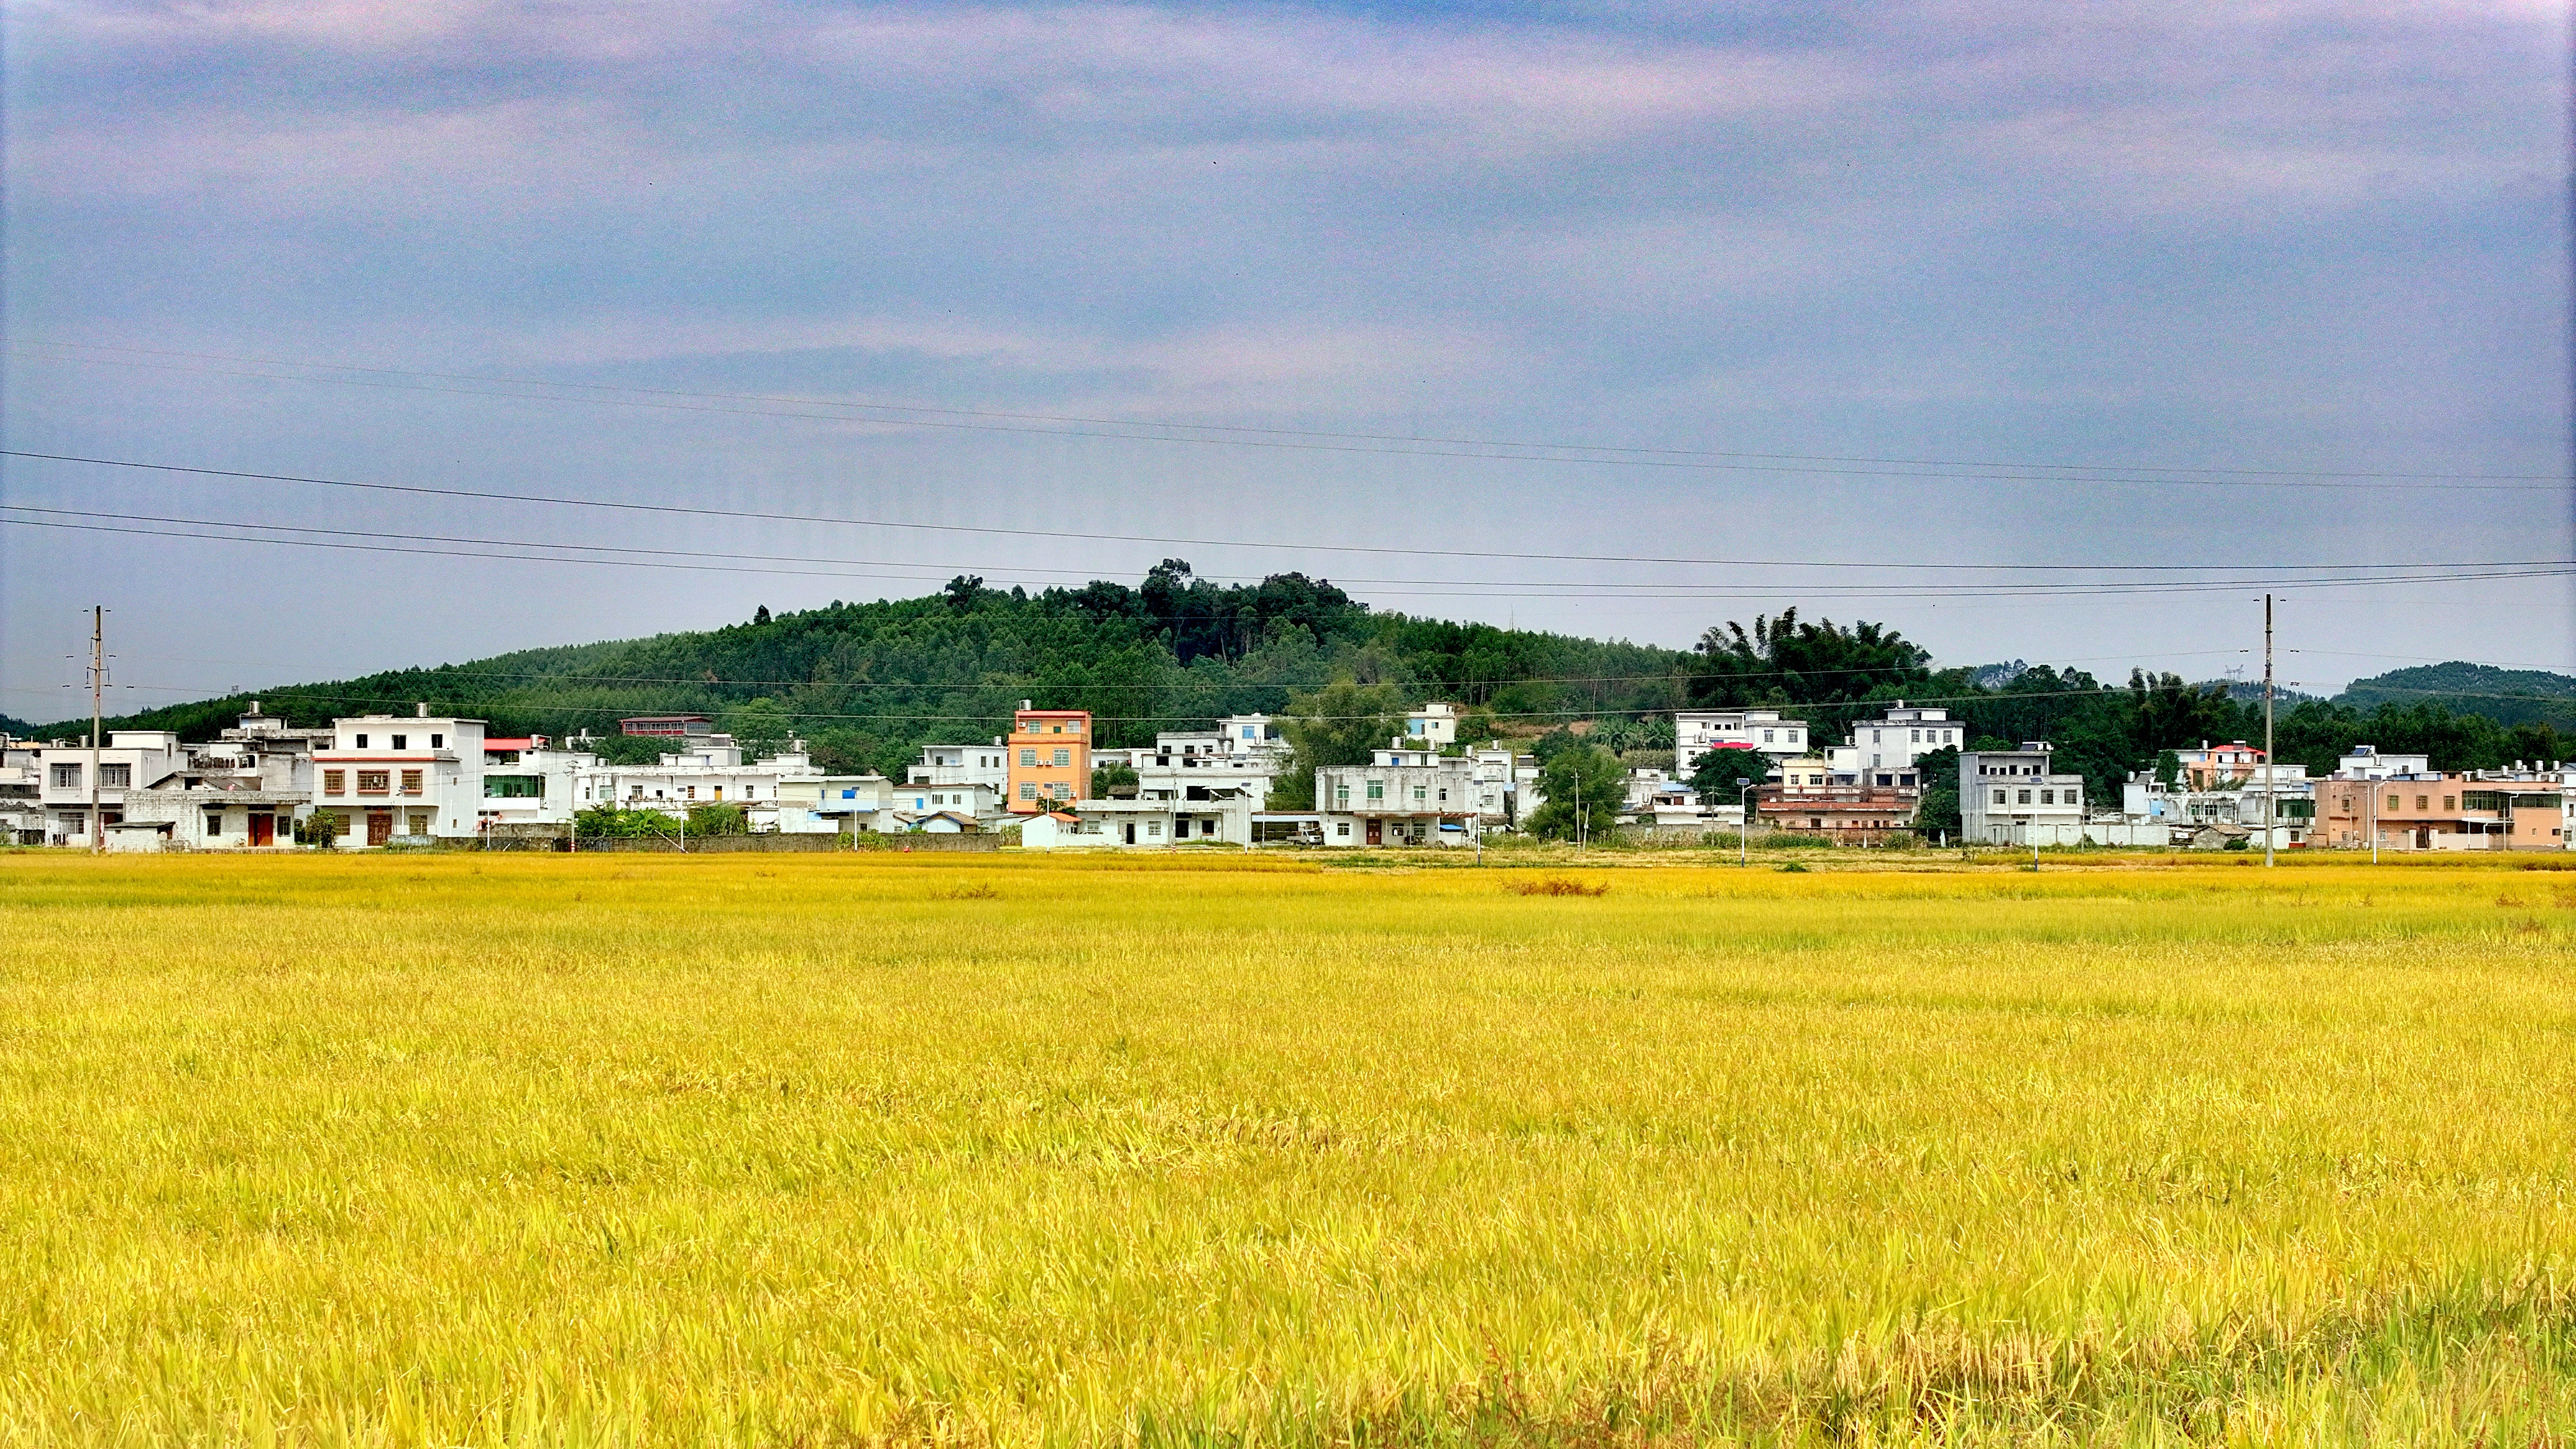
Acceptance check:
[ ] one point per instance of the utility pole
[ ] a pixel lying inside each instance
(1743, 823)
(97, 715)
(2267, 731)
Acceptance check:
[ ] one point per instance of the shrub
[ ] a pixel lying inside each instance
(1557, 886)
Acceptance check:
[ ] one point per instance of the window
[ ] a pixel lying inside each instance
(2450, 802)
(1028, 790)
(438, 742)
(511, 787)
(2423, 802)
(1247, 732)
(1766, 737)
(375, 782)
(2392, 803)
(688, 792)
(411, 782)
(1342, 798)
(1060, 790)
(1377, 789)
(362, 742)
(67, 777)
(1343, 829)
(1064, 757)
(2047, 797)
(1154, 828)
(402, 742)
(1873, 737)
(634, 792)
(2025, 798)
(1444, 796)
(214, 823)
(113, 776)
(1422, 793)
(1029, 759)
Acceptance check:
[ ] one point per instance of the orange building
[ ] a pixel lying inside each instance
(1050, 755)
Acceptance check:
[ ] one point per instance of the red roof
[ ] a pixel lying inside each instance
(529, 743)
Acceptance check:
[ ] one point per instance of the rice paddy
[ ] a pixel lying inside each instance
(522, 1150)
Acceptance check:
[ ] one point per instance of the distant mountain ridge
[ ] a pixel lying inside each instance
(2508, 696)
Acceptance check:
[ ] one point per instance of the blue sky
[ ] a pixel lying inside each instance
(2321, 239)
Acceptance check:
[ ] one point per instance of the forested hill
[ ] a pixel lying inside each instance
(2512, 696)
(868, 684)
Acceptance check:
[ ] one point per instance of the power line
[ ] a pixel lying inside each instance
(1710, 593)
(1615, 588)
(697, 511)
(1238, 435)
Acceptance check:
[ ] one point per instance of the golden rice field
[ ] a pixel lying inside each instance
(818, 1150)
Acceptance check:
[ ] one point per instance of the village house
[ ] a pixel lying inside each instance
(1882, 751)
(1222, 817)
(1696, 732)
(2013, 797)
(2488, 810)
(985, 765)
(1050, 758)
(410, 777)
(1405, 796)
(66, 774)
(2210, 765)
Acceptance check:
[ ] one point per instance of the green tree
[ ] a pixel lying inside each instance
(1586, 785)
(1938, 807)
(1106, 779)
(719, 820)
(1720, 774)
(761, 726)
(1343, 723)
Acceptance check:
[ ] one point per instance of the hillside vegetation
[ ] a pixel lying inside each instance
(868, 684)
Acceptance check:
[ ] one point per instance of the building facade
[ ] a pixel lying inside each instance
(1050, 758)
(1882, 751)
(1696, 732)
(2487, 810)
(408, 777)
(2013, 797)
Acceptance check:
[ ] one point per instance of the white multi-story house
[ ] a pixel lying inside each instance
(66, 773)
(2012, 797)
(1252, 734)
(2369, 762)
(1433, 724)
(1220, 816)
(415, 777)
(2182, 810)
(857, 804)
(963, 765)
(783, 792)
(1696, 732)
(1882, 751)
(241, 791)
(22, 806)
(981, 803)
(1408, 796)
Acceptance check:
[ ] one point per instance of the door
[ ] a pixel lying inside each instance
(1376, 831)
(1131, 832)
(380, 826)
(263, 830)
